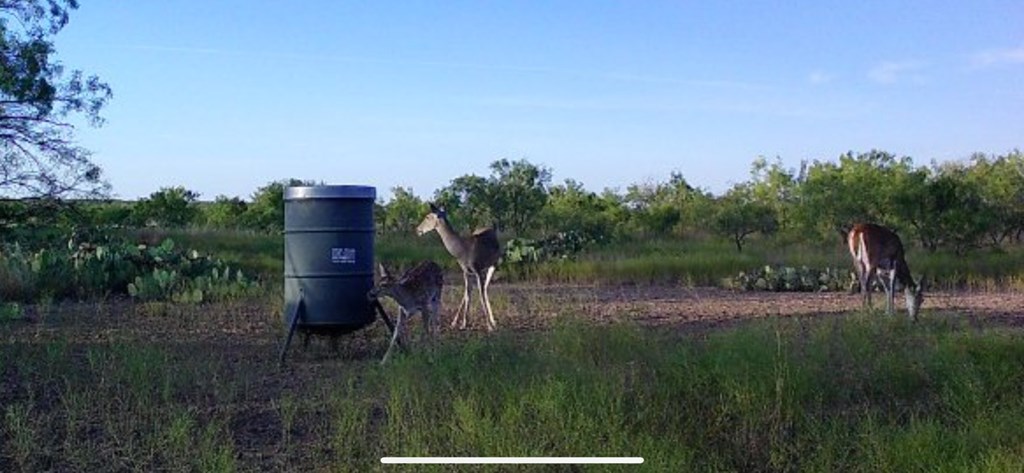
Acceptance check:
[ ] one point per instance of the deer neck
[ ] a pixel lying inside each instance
(454, 243)
(903, 274)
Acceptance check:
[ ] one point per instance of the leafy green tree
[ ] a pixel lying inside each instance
(266, 210)
(108, 213)
(225, 212)
(859, 188)
(402, 212)
(570, 207)
(775, 187)
(510, 200)
(518, 193)
(467, 199)
(739, 215)
(172, 207)
(38, 96)
(999, 181)
(666, 207)
(954, 212)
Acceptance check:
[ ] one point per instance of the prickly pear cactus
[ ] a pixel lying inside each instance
(789, 279)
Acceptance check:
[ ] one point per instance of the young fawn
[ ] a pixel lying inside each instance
(418, 290)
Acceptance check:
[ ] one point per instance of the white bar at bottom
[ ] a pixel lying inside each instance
(511, 460)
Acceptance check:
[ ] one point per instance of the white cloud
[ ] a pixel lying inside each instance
(820, 77)
(897, 72)
(999, 57)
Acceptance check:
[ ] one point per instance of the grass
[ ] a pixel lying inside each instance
(851, 393)
(691, 262)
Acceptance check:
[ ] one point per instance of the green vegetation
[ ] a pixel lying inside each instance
(789, 278)
(83, 270)
(670, 232)
(857, 393)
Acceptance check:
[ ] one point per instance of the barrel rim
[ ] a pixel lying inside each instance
(330, 192)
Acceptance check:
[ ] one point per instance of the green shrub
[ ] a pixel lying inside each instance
(147, 273)
(790, 279)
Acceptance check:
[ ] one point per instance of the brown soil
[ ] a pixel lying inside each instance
(520, 307)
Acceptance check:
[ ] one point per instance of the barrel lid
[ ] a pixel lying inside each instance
(330, 192)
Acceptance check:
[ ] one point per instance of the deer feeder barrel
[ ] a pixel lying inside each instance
(328, 256)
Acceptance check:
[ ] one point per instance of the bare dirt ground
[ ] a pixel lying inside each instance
(679, 306)
(520, 307)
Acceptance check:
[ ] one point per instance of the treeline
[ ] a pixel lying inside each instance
(954, 205)
(167, 208)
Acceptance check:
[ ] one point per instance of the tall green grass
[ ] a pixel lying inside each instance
(695, 261)
(864, 394)
(857, 393)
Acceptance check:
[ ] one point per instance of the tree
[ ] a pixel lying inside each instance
(953, 210)
(570, 207)
(666, 207)
(402, 213)
(862, 188)
(518, 193)
(739, 215)
(467, 201)
(225, 212)
(774, 186)
(1000, 183)
(511, 199)
(266, 211)
(172, 207)
(38, 97)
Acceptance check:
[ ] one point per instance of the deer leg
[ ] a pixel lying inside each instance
(426, 324)
(483, 303)
(464, 305)
(430, 315)
(884, 280)
(866, 275)
(394, 336)
(435, 320)
(890, 292)
(486, 298)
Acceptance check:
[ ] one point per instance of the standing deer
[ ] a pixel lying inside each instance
(418, 290)
(477, 255)
(875, 248)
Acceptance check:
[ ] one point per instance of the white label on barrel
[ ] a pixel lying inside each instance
(343, 255)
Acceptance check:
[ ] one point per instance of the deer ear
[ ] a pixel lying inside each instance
(384, 274)
(433, 208)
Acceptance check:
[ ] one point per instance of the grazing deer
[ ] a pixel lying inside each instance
(418, 290)
(477, 255)
(875, 248)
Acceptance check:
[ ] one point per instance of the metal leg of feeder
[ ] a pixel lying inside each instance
(292, 327)
(387, 321)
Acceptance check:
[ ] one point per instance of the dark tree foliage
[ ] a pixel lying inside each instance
(170, 207)
(38, 98)
(266, 210)
(739, 215)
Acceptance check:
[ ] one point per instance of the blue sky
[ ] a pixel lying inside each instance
(224, 96)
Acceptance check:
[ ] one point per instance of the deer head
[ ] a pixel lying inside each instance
(432, 220)
(384, 286)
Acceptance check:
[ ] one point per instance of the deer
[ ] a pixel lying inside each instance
(417, 290)
(477, 255)
(874, 249)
